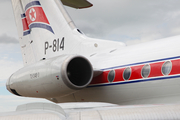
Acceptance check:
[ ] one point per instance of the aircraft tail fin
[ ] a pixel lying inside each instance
(41, 24)
(45, 30)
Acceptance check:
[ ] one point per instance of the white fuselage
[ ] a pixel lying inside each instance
(60, 62)
(155, 89)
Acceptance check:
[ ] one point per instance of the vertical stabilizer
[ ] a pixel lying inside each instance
(42, 27)
(22, 27)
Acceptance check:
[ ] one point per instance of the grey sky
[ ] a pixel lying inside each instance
(8, 39)
(128, 20)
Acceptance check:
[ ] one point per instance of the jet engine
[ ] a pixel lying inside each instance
(53, 77)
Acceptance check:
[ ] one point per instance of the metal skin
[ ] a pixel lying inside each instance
(49, 111)
(103, 56)
(51, 78)
(154, 90)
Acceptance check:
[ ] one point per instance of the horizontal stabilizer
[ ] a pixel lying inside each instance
(79, 4)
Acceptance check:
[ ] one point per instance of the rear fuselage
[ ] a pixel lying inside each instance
(158, 82)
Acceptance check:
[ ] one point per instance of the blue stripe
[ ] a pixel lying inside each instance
(23, 15)
(142, 63)
(41, 25)
(32, 4)
(26, 33)
(135, 81)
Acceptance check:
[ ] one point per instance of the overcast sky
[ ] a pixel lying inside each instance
(129, 21)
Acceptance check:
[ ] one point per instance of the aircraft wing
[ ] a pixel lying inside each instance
(48, 111)
(79, 4)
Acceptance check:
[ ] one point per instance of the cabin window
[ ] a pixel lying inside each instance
(111, 76)
(127, 73)
(166, 68)
(145, 71)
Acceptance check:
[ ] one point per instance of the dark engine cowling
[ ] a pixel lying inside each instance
(53, 77)
(76, 72)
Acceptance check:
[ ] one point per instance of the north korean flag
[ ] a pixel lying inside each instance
(35, 17)
(26, 30)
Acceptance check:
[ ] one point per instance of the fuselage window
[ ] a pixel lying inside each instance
(111, 76)
(145, 71)
(166, 68)
(127, 73)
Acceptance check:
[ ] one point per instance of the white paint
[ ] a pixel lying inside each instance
(102, 55)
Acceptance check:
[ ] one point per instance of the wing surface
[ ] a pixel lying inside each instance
(48, 111)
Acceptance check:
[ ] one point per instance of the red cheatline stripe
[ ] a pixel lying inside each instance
(119, 75)
(175, 67)
(155, 71)
(101, 78)
(136, 72)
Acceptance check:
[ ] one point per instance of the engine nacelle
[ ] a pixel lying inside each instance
(53, 77)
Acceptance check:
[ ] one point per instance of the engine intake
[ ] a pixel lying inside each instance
(77, 72)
